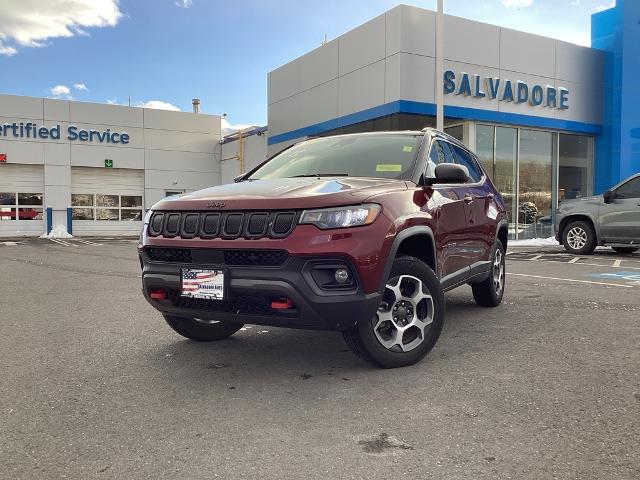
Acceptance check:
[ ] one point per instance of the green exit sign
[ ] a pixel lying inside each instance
(108, 163)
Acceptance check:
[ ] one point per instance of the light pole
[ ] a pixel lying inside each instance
(439, 66)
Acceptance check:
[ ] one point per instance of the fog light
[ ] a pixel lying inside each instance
(341, 275)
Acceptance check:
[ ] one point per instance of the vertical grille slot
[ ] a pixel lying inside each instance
(257, 225)
(283, 223)
(232, 226)
(172, 224)
(210, 225)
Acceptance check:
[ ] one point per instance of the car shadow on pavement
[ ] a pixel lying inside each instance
(272, 355)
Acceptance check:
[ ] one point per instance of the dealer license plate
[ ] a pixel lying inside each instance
(202, 283)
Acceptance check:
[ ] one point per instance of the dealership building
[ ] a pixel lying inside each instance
(548, 119)
(97, 167)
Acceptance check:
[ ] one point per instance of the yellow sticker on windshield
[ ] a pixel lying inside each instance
(389, 167)
(407, 148)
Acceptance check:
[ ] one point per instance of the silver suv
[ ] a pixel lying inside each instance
(612, 218)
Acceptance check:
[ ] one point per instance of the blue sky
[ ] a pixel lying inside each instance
(165, 52)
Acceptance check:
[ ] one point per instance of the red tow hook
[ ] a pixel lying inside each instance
(282, 304)
(158, 294)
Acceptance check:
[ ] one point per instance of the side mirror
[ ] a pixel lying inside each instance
(608, 196)
(450, 173)
(239, 178)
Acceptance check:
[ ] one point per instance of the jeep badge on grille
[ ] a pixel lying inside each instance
(216, 205)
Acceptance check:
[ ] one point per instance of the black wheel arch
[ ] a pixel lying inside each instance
(411, 241)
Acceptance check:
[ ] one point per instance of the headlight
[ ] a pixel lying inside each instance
(341, 217)
(147, 216)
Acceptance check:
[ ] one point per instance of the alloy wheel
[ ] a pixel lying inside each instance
(498, 272)
(404, 314)
(577, 238)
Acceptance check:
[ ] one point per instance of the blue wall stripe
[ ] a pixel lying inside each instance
(423, 108)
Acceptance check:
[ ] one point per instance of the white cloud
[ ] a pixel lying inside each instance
(31, 23)
(228, 129)
(184, 3)
(80, 86)
(60, 90)
(517, 3)
(607, 6)
(158, 104)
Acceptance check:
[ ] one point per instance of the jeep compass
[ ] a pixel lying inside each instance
(358, 233)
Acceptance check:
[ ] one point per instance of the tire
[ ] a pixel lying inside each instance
(201, 330)
(625, 249)
(420, 318)
(579, 238)
(489, 292)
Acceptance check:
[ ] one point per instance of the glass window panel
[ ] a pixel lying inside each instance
(29, 199)
(631, 189)
(107, 200)
(463, 158)
(111, 214)
(7, 198)
(131, 215)
(484, 147)
(455, 131)
(534, 210)
(30, 214)
(7, 214)
(504, 171)
(82, 199)
(131, 201)
(82, 213)
(576, 158)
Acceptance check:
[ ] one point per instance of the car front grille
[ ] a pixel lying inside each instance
(226, 225)
(258, 258)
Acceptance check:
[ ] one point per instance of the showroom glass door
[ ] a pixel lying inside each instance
(497, 151)
(535, 183)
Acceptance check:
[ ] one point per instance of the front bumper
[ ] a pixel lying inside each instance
(251, 289)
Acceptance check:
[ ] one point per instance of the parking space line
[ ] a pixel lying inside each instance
(570, 280)
(87, 242)
(616, 263)
(61, 242)
(574, 260)
(532, 259)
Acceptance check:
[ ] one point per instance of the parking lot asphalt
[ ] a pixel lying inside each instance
(93, 384)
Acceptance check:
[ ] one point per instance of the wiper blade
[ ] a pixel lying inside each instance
(321, 175)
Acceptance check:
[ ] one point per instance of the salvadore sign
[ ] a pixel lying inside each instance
(505, 90)
(72, 133)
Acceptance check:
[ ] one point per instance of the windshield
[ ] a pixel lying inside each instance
(384, 156)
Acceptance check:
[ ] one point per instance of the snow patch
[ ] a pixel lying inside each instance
(535, 242)
(58, 231)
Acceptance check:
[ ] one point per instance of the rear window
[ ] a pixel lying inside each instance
(383, 156)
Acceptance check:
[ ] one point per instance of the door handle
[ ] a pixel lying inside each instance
(468, 199)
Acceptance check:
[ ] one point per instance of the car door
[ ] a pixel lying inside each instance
(451, 222)
(620, 219)
(477, 201)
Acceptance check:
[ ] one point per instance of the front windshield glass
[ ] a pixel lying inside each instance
(383, 156)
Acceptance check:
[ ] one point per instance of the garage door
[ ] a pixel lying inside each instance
(106, 201)
(21, 199)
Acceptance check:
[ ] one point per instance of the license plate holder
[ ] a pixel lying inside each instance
(203, 283)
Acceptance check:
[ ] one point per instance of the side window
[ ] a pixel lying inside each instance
(465, 158)
(439, 153)
(631, 189)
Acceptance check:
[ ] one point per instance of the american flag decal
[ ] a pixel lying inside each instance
(208, 284)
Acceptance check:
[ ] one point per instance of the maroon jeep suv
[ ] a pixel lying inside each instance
(359, 233)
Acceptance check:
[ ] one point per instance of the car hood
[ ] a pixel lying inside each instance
(581, 203)
(283, 193)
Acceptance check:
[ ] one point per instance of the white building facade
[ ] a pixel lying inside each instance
(107, 163)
